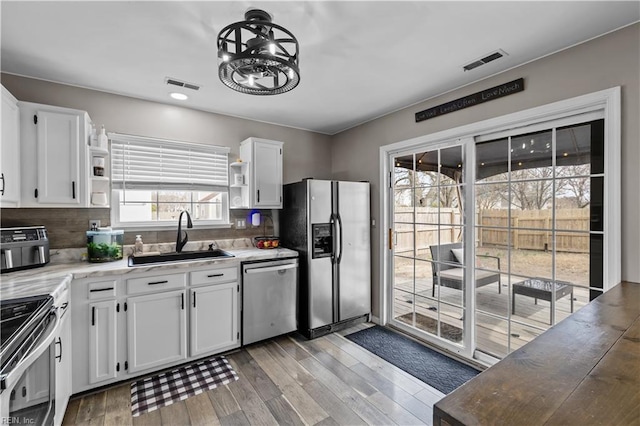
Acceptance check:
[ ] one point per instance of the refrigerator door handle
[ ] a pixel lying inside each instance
(334, 231)
(340, 238)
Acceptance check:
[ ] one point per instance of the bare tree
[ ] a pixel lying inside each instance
(578, 187)
(532, 194)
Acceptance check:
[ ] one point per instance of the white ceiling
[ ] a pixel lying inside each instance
(359, 60)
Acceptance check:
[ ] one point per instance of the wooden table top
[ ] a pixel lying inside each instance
(583, 371)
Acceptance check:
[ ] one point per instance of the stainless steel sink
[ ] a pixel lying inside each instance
(176, 257)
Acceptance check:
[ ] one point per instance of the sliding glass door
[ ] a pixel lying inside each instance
(428, 233)
(538, 216)
(526, 206)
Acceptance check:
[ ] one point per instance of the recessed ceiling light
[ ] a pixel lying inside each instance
(179, 96)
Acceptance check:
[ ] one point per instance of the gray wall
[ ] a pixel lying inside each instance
(608, 61)
(306, 154)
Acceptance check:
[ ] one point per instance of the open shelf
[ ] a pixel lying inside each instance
(98, 150)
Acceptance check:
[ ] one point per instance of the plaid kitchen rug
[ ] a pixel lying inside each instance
(164, 389)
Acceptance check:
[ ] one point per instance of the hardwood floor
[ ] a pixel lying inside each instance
(285, 381)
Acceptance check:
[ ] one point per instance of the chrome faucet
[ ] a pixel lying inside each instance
(180, 243)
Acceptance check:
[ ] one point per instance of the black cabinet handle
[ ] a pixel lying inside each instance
(158, 282)
(95, 290)
(194, 299)
(118, 367)
(59, 342)
(258, 196)
(215, 275)
(182, 298)
(3, 184)
(93, 315)
(73, 189)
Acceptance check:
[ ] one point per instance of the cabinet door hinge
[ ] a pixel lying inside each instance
(118, 367)
(35, 119)
(126, 365)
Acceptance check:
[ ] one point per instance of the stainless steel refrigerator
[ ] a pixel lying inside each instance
(327, 222)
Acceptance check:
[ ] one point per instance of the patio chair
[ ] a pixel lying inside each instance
(451, 275)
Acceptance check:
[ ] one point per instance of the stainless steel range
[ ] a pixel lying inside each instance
(23, 248)
(28, 353)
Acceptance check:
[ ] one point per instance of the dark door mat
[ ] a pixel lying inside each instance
(433, 368)
(447, 331)
(176, 385)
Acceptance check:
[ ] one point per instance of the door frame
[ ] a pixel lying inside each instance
(608, 101)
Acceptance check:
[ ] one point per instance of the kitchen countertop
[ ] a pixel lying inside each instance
(35, 286)
(54, 277)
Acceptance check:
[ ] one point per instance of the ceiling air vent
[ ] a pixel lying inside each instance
(179, 83)
(491, 57)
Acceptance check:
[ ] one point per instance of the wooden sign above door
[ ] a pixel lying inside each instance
(500, 91)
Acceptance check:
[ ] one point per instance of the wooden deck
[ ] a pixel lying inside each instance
(493, 333)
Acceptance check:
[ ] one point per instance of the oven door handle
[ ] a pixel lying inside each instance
(34, 353)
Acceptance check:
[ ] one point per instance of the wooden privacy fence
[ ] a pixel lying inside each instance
(537, 236)
(426, 227)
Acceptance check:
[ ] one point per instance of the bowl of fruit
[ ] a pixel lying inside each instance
(266, 242)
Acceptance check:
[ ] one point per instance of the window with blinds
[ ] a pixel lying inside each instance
(154, 180)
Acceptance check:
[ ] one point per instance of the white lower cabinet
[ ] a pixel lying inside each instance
(63, 366)
(156, 330)
(137, 323)
(102, 341)
(214, 318)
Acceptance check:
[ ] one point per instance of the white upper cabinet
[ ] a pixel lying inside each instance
(55, 141)
(264, 173)
(10, 152)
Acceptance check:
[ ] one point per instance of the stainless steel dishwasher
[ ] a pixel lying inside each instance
(269, 299)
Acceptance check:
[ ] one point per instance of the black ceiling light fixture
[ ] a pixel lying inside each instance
(258, 57)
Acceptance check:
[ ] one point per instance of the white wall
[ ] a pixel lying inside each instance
(608, 61)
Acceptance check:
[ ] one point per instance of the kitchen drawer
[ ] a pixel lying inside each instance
(210, 276)
(156, 283)
(101, 290)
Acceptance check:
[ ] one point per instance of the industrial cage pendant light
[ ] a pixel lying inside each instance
(257, 56)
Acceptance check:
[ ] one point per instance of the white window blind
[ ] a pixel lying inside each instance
(139, 162)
